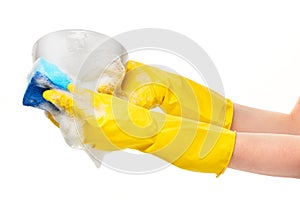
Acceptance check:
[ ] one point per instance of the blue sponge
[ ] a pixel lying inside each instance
(45, 76)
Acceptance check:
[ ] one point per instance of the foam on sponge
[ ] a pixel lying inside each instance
(44, 76)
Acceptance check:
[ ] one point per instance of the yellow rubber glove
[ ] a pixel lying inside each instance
(110, 123)
(149, 87)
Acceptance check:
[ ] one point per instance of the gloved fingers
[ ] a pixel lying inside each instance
(149, 87)
(51, 118)
(79, 102)
(144, 86)
(60, 99)
(130, 65)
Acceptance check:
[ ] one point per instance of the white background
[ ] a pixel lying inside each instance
(254, 44)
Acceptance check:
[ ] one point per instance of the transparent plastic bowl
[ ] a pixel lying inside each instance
(69, 49)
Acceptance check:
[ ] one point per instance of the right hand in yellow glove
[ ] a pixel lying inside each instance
(109, 123)
(148, 87)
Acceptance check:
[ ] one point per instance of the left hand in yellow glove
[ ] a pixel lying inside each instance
(109, 123)
(149, 86)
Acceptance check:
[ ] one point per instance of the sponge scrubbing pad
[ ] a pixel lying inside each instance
(44, 76)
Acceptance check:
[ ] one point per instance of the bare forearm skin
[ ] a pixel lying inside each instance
(246, 119)
(268, 154)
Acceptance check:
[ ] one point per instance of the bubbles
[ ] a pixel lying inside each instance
(69, 49)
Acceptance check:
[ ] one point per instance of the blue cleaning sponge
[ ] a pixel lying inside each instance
(45, 76)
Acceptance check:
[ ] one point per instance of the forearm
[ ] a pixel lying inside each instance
(247, 119)
(268, 154)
